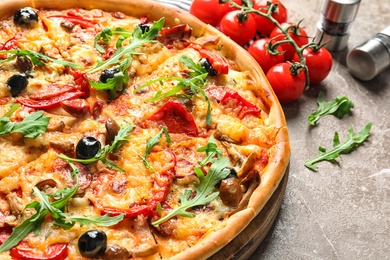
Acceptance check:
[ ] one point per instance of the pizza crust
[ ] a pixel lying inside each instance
(273, 174)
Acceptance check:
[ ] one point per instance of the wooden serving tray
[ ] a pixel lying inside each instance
(243, 246)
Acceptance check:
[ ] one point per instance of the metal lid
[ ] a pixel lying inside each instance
(340, 11)
(333, 43)
(368, 60)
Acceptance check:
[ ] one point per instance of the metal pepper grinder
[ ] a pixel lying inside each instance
(335, 23)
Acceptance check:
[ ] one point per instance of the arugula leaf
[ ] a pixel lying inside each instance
(31, 126)
(349, 145)
(196, 83)
(212, 152)
(114, 84)
(204, 190)
(55, 209)
(102, 154)
(37, 58)
(125, 52)
(152, 142)
(338, 107)
(106, 35)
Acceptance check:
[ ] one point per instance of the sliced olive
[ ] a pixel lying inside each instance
(107, 74)
(17, 83)
(92, 243)
(208, 67)
(87, 147)
(144, 27)
(26, 17)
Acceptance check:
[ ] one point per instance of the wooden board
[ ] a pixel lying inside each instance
(248, 240)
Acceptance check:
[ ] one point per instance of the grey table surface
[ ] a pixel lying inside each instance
(343, 210)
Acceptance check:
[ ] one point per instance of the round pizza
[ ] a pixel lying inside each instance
(129, 130)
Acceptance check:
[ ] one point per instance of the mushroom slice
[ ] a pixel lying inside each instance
(242, 158)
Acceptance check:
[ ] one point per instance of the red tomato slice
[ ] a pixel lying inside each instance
(176, 118)
(241, 106)
(58, 251)
(217, 61)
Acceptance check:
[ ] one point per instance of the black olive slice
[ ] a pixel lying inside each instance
(87, 147)
(92, 243)
(17, 83)
(26, 17)
(208, 67)
(107, 74)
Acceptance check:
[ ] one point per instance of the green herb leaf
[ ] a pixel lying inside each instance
(212, 152)
(37, 58)
(195, 84)
(125, 52)
(55, 209)
(106, 34)
(31, 126)
(349, 145)
(152, 142)
(102, 154)
(204, 190)
(114, 84)
(338, 107)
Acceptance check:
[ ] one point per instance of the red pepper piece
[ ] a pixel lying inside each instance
(82, 81)
(240, 105)
(53, 90)
(85, 24)
(58, 251)
(8, 45)
(176, 118)
(51, 102)
(175, 36)
(217, 61)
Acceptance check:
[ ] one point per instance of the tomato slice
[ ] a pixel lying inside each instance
(240, 105)
(216, 60)
(58, 251)
(176, 118)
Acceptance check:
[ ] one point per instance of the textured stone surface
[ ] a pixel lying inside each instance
(343, 210)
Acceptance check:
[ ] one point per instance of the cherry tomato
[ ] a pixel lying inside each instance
(260, 50)
(319, 63)
(228, 7)
(209, 11)
(287, 85)
(265, 26)
(297, 33)
(240, 27)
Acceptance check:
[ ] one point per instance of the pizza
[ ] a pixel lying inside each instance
(129, 130)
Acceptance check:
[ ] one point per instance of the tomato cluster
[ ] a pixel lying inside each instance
(289, 63)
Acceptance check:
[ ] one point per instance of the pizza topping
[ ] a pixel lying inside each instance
(76, 107)
(112, 129)
(24, 64)
(176, 118)
(103, 152)
(230, 191)
(26, 17)
(241, 107)
(58, 251)
(108, 74)
(152, 142)
(55, 101)
(76, 20)
(87, 147)
(37, 58)
(31, 126)
(204, 189)
(208, 67)
(17, 83)
(116, 252)
(217, 61)
(92, 243)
